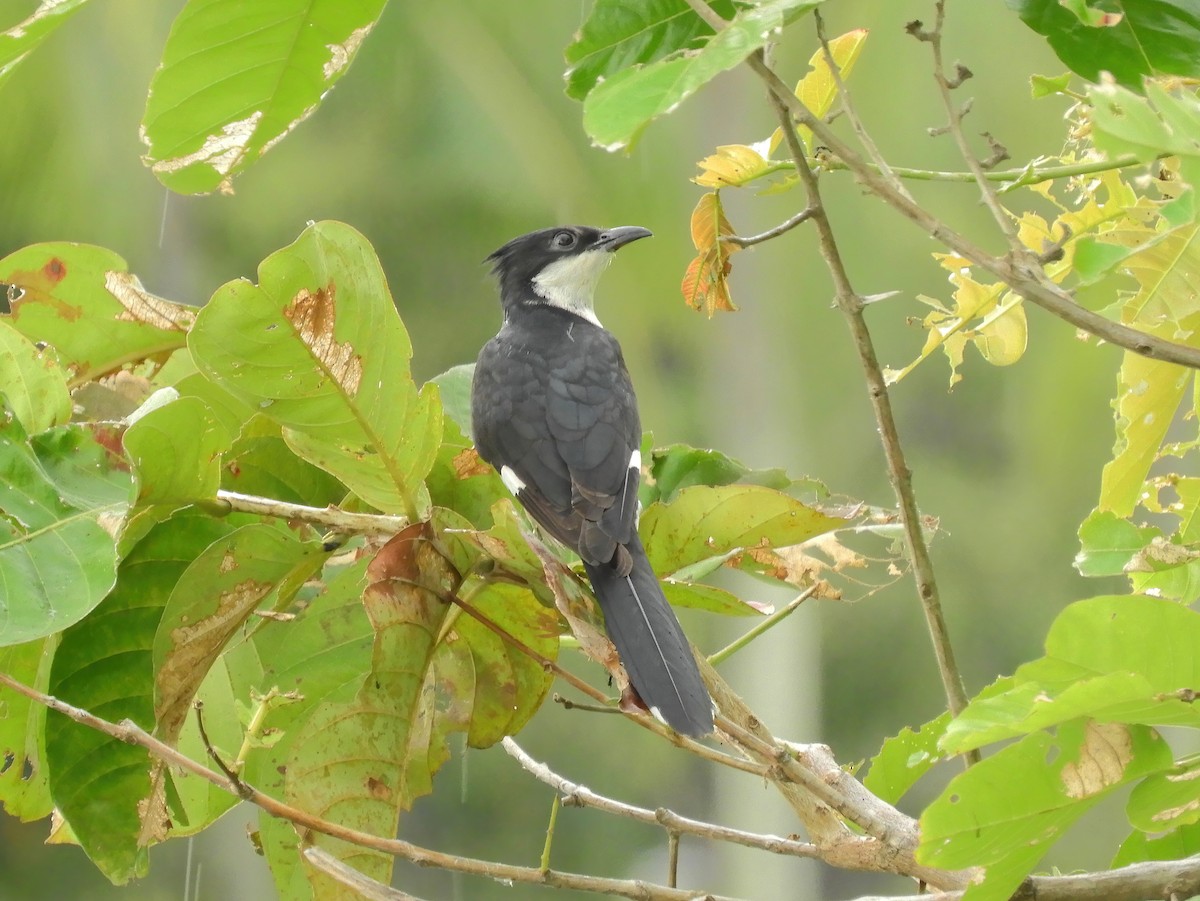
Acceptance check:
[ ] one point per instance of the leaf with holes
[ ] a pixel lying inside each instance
(236, 78)
(24, 786)
(1006, 811)
(317, 346)
(83, 301)
(705, 285)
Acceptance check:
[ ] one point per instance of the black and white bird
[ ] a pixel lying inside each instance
(554, 411)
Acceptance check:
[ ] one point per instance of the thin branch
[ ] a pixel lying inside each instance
(330, 517)
(954, 127)
(129, 732)
(1136, 882)
(576, 795)
(851, 112)
(802, 216)
(1024, 278)
(851, 306)
(642, 719)
(773, 620)
(363, 884)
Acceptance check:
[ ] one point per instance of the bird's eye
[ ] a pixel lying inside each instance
(563, 240)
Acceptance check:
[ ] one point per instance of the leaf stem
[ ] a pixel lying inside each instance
(762, 626)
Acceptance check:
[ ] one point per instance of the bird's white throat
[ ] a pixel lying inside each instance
(570, 283)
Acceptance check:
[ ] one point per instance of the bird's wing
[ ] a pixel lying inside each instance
(568, 430)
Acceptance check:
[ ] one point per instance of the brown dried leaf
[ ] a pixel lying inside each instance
(314, 316)
(467, 463)
(142, 306)
(1106, 753)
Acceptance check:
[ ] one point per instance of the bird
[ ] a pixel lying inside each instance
(554, 411)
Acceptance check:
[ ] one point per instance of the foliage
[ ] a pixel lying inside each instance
(252, 509)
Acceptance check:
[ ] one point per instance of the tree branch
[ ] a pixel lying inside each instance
(329, 517)
(1025, 279)
(1136, 882)
(851, 305)
(575, 795)
(131, 733)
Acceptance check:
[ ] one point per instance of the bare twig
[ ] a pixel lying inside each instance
(851, 112)
(788, 225)
(954, 127)
(330, 517)
(576, 795)
(1152, 879)
(851, 306)
(1024, 277)
(129, 732)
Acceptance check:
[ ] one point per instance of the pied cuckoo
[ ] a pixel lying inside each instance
(554, 411)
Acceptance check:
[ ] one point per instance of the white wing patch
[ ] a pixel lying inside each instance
(511, 480)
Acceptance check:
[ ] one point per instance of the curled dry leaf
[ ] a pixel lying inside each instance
(705, 285)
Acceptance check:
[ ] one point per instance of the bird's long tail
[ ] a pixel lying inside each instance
(652, 645)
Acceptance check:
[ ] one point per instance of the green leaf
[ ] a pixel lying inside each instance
(1147, 38)
(83, 301)
(24, 787)
(679, 466)
(261, 463)
(176, 451)
(211, 602)
(21, 40)
(31, 383)
(57, 560)
(706, 522)
(699, 596)
(1148, 394)
(1110, 698)
(618, 34)
(1046, 86)
(1107, 543)
(617, 110)
(461, 481)
(317, 346)
(454, 386)
(1148, 127)
(1005, 811)
(1113, 658)
(236, 77)
(103, 664)
(1167, 800)
(1175, 845)
(359, 763)
(905, 758)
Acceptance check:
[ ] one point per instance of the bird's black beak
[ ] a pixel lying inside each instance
(614, 238)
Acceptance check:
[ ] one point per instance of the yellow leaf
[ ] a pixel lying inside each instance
(1002, 335)
(705, 285)
(733, 165)
(817, 89)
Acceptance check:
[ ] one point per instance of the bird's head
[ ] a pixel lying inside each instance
(558, 266)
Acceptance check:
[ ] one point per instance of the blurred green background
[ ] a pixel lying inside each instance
(451, 134)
